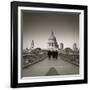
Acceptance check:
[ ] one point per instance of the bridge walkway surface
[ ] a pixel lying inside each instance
(50, 67)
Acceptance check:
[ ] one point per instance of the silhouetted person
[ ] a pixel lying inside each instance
(56, 54)
(53, 54)
(49, 54)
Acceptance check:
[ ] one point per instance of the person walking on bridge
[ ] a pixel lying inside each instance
(49, 54)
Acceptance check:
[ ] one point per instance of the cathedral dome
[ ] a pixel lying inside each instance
(52, 42)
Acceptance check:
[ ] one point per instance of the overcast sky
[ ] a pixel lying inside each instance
(38, 26)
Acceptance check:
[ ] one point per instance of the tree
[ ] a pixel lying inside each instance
(68, 50)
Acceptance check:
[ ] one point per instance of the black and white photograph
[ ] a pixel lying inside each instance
(50, 44)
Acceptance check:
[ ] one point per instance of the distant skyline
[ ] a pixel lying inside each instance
(38, 26)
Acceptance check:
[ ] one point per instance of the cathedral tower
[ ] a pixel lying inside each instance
(32, 45)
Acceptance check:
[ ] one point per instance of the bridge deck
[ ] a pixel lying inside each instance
(47, 66)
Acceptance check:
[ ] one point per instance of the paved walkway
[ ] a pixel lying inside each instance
(44, 67)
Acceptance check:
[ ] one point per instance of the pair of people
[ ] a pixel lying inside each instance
(53, 54)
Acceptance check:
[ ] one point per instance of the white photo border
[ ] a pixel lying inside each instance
(81, 40)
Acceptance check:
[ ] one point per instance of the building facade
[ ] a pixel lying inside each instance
(75, 49)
